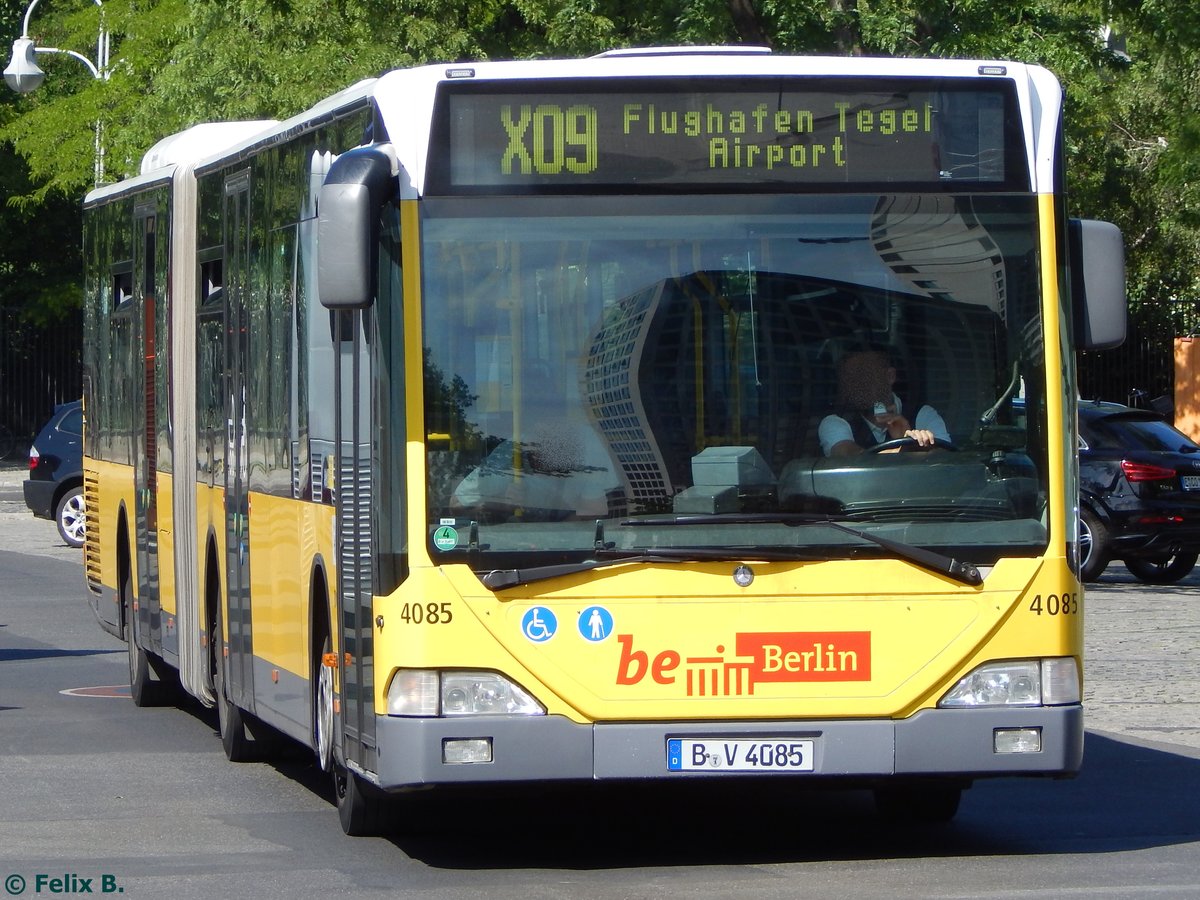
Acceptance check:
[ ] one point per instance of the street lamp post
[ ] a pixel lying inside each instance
(24, 75)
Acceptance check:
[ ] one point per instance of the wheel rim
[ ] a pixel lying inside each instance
(325, 717)
(1085, 543)
(73, 519)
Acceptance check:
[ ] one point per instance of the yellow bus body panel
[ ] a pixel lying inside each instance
(286, 535)
(803, 640)
(166, 549)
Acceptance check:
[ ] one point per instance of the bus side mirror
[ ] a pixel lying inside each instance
(359, 182)
(1097, 271)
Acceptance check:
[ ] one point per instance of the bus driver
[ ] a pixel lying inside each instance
(870, 412)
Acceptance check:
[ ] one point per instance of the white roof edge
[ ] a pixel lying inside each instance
(362, 89)
(129, 185)
(199, 142)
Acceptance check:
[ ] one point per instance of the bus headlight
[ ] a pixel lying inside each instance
(1021, 682)
(429, 692)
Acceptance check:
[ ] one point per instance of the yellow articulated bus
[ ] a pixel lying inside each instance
(671, 414)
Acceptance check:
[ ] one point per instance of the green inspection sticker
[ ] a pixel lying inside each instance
(445, 538)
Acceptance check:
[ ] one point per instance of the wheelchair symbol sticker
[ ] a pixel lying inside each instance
(539, 624)
(595, 624)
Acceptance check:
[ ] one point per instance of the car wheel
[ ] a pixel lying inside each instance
(70, 518)
(1094, 546)
(1162, 570)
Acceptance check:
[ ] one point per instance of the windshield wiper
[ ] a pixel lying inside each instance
(500, 579)
(963, 572)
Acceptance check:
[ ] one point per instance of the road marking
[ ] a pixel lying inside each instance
(109, 690)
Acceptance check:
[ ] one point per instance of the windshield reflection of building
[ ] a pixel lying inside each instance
(613, 392)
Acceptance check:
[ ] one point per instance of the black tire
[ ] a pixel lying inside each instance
(1162, 570)
(70, 518)
(362, 807)
(144, 690)
(1094, 546)
(918, 804)
(234, 739)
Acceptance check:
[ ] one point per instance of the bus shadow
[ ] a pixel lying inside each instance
(1126, 798)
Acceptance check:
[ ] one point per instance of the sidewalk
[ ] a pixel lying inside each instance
(20, 530)
(13, 471)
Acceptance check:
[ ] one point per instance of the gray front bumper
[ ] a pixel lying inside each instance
(933, 742)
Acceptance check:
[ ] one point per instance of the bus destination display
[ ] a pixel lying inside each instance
(532, 139)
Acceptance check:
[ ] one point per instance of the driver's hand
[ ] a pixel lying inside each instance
(923, 437)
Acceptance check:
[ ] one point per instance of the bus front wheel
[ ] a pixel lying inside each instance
(362, 807)
(323, 709)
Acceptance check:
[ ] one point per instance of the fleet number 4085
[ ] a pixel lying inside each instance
(1055, 605)
(426, 614)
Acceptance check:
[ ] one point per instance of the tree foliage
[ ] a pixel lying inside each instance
(1133, 123)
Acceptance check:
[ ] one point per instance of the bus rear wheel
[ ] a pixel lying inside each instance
(144, 690)
(230, 723)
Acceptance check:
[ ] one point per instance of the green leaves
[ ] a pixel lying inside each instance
(1133, 140)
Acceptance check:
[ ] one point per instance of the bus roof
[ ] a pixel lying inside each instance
(199, 141)
(405, 97)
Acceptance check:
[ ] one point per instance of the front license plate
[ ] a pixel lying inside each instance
(1191, 482)
(768, 754)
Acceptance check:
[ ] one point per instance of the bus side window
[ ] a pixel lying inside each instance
(122, 291)
(212, 281)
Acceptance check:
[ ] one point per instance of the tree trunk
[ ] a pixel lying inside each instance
(748, 25)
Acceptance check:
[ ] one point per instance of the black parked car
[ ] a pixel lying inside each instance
(54, 489)
(1139, 493)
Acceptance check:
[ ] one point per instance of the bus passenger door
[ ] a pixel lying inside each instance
(239, 683)
(148, 620)
(352, 437)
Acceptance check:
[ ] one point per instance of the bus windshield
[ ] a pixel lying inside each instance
(652, 372)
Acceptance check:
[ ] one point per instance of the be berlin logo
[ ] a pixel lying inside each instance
(67, 883)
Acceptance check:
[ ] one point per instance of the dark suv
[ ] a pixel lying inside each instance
(54, 489)
(1139, 493)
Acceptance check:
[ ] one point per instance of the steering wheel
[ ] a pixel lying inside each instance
(907, 444)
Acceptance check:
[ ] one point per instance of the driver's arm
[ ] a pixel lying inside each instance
(845, 448)
(836, 437)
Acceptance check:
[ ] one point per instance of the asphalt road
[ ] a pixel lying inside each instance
(101, 795)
